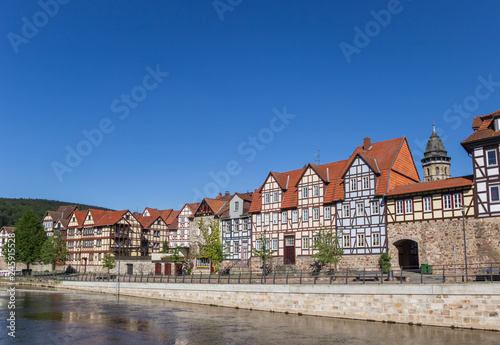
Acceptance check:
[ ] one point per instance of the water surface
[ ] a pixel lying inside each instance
(52, 317)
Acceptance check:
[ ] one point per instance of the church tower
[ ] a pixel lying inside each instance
(436, 162)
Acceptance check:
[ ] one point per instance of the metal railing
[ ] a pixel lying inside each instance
(479, 273)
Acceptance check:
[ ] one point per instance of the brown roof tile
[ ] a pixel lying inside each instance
(464, 181)
(483, 129)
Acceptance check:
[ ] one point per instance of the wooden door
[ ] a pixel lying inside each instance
(178, 269)
(158, 268)
(244, 253)
(168, 269)
(289, 250)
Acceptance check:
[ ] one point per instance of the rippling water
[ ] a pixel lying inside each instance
(51, 317)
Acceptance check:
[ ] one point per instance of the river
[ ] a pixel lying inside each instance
(55, 317)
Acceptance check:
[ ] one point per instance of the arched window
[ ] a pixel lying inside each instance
(437, 171)
(428, 171)
(445, 171)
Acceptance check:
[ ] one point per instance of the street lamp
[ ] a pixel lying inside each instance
(462, 207)
(264, 267)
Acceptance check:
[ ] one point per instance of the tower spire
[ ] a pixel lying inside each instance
(436, 162)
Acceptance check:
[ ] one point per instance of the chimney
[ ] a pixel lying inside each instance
(227, 193)
(367, 143)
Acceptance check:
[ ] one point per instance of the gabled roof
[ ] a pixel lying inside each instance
(483, 129)
(110, 218)
(8, 229)
(80, 216)
(390, 159)
(455, 182)
(96, 214)
(153, 212)
(172, 220)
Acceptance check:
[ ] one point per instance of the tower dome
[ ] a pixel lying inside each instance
(436, 162)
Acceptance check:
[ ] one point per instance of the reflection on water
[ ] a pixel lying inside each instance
(48, 317)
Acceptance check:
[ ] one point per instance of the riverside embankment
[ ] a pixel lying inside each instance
(451, 305)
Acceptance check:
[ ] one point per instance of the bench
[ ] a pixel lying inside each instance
(367, 276)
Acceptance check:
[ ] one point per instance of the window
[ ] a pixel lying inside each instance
(236, 205)
(267, 243)
(275, 244)
(305, 242)
(328, 214)
(275, 218)
(353, 184)
(366, 182)
(305, 192)
(316, 213)
(266, 198)
(345, 211)
(375, 206)
(275, 197)
(203, 262)
(295, 216)
(427, 204)
(447, 204)
(316, 190)
(360, 209)
(399, 207)
(314, 240)
(289, 241)
(361, 240)
(236, 247)
(491, 157)
(457, 200)
(305, 215)
(258, 244)
(266, 219)
(375, 240)
(494, 193)
(408, 206)
(249, 224)
(259, 220)
(284, 217)
(225, 227)
(346, 241)
(99, 257)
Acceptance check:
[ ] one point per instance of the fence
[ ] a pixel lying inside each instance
(417, 275)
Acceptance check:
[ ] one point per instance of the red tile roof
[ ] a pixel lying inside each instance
(391, 160)
(483, 129)
(110, 218)
(455, 182)
(8, 229)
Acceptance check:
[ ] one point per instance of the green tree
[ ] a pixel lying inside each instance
(385, 262)
(211, 246)
(264, 253)
(28, 240)
(326, 245)
(54, 251)
(164, 247)
(108, 261)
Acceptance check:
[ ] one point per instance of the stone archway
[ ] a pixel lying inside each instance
(407, 254)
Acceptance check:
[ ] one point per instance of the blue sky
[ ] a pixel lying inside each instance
(183, 99)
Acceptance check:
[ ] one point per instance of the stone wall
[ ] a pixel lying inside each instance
(458, 305)
(436, 240)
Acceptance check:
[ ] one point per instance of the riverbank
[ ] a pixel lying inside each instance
(473, 306)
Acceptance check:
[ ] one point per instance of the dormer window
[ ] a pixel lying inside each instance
(497, 124)
(236, 206)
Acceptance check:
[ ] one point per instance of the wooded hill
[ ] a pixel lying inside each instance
(12, 209)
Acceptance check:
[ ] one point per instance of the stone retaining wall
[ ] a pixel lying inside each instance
(458, 305)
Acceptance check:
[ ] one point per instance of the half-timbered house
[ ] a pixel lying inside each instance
(484, 145)
(236, 225)
(5, 233)
(58, 220)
